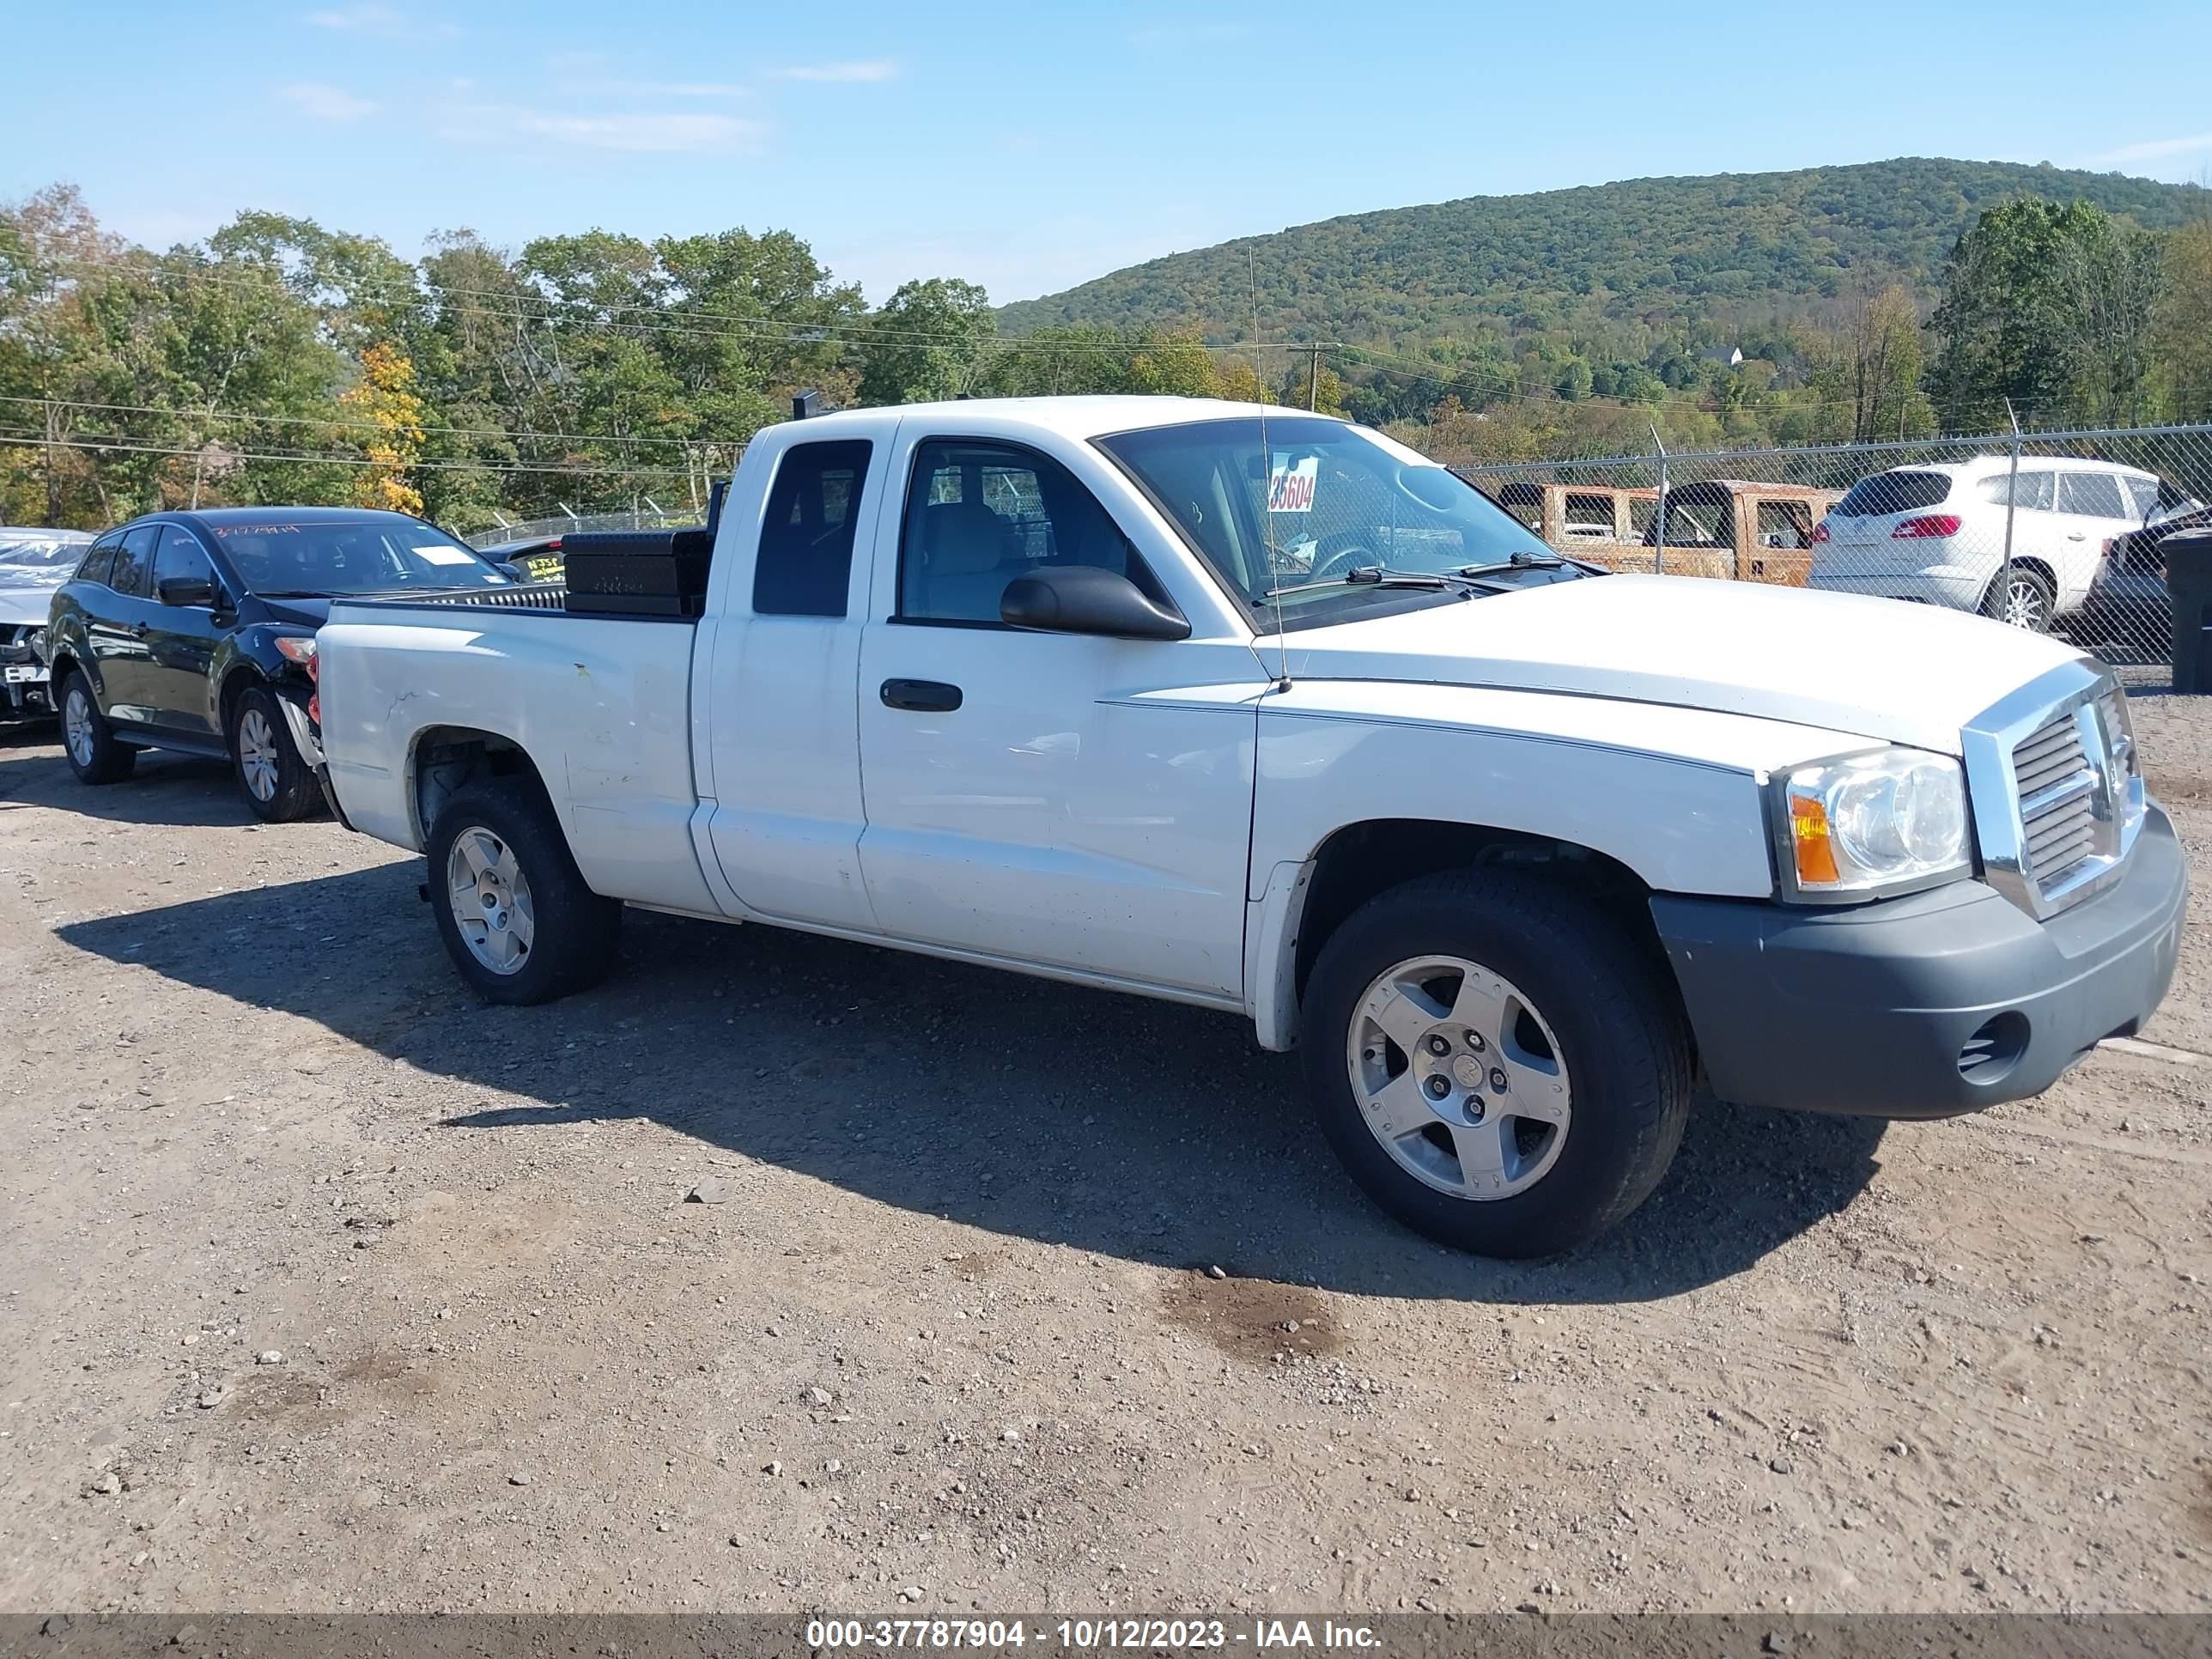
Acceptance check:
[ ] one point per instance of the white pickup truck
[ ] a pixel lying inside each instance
(1265, 712)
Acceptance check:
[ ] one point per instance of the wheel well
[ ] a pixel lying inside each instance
(63, 665)
(1362, 860)
(2042, 568)
(235, 685)
(448, 758)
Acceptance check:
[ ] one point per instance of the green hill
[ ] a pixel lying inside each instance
(1706, 260)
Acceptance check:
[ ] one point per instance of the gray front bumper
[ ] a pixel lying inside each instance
(1869, 1010)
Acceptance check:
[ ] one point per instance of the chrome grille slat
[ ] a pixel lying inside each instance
(2054, 781)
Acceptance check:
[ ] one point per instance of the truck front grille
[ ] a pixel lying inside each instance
(2058, 795)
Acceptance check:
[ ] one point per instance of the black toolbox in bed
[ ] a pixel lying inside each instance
(637, 573)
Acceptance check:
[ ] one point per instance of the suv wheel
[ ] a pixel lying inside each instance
(2021, 597)
(1496, 1063)
(513, 910)
(94, 753)
(271, 774)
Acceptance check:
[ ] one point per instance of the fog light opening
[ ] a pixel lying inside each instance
(1992, 1052)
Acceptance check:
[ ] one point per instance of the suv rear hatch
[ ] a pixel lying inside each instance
(1866, 521)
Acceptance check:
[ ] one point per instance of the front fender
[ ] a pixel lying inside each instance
(1674, 795)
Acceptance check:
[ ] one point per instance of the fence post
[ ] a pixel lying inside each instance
(2012, 506)
(1659, 521)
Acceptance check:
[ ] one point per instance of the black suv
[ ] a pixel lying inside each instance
(195, 631)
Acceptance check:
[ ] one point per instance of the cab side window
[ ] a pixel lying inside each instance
(978, 514)
(180, 553)
(134, 562)
(805, 559)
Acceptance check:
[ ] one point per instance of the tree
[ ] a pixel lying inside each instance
(384, 400)
(930, 339)
(1865, 383)
(2182, 328)
(2046, 307)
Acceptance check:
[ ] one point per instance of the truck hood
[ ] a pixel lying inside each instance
(1881, 668)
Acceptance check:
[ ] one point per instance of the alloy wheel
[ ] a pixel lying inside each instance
(76, 725)
(1459, 1077)
(258, 758)
(490, 900)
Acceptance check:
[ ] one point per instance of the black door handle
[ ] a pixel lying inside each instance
(923, 697)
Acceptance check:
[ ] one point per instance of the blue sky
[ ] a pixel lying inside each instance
(1028, 146)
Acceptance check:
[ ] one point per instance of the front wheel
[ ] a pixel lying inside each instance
(94, 754)
(514, 912)
(272, 774)
(1496, 1062)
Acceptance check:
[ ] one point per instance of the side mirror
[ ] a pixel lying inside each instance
(513, 571)
(1082, 598)
(186, 591)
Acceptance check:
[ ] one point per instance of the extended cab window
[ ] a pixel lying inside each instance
(805, 559)
(980, 514)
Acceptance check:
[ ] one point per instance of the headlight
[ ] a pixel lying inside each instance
(297, 647)
(1870, 824)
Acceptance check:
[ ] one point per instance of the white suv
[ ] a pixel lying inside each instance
(1937, 533)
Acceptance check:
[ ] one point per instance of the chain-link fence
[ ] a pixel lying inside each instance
(2053, 530)
(531, 529)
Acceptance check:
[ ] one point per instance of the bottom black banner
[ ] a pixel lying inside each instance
(741, 1636)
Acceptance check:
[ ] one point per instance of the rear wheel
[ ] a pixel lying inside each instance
(1496, 1062)
(514, 912)
(2021, 596)
(271, 773)
(94, 754)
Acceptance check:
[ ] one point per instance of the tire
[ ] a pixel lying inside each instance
(1601, 1065)
(555, 935)
(271, 774)
(2025, 600)
(94, 752)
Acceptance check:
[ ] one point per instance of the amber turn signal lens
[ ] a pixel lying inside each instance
(1808, 834)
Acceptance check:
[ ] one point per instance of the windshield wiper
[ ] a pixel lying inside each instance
(1526, 561)
(1377, 575)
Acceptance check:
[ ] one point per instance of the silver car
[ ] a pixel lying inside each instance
(33, 564)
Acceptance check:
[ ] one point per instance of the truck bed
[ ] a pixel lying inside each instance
(602, 705)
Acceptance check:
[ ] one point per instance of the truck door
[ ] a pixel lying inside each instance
(1047, 798)
(784, 753)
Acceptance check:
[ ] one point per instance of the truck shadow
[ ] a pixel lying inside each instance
(1144, 1130)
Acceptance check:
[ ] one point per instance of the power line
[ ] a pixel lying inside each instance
(28, 439)
(235, 416)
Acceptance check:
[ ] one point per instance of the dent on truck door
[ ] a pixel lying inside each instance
(1067, 801)
(787, 763)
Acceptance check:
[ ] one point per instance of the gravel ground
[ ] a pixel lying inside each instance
(323, 1288)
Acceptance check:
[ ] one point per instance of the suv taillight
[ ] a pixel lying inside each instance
(1819, 532)
(1928, 523)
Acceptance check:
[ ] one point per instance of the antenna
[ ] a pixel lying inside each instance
(1267, 484)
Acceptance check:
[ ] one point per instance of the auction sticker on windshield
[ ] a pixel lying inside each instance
(437, 553)
(1291, 484)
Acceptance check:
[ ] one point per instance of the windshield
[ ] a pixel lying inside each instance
(1319, 501)
(36, 561)
(350, 555)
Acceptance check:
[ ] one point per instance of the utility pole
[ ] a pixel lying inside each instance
(1313, 381)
